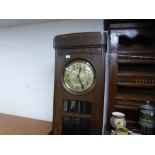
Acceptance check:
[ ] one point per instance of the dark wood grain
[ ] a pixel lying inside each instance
(132, 69)
(74, 40)
(87, 46)
(128, 23)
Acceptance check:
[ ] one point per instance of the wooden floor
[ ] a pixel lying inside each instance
(15, 125)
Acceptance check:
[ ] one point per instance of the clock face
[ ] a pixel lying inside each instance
(79, 76)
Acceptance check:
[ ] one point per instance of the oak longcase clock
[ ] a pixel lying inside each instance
(79, 83)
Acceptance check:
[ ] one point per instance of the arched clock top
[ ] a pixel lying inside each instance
(74, 40)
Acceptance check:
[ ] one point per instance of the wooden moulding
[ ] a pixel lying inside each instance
(136, 58)
(137, 81)
(75, 40)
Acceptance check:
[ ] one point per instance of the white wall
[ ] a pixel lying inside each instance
(27, 66)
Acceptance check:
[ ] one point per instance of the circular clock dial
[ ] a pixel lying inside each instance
(79, 76)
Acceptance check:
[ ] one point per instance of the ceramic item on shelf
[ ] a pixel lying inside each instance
(120, 131)
(147, 118)
(118, 120)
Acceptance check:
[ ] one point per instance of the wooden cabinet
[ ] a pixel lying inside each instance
(132, 67)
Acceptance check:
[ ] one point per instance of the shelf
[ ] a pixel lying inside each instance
(129, 84)
(140, 52)
(131, 124)
(140, 42)
(136, 57)
(137, 94)
(139, 80)
(128, 104)
(126, 107)
(136, 74)
(120, 24)
(125, 103)
(132, 99)
(137, 69)
(135, 61)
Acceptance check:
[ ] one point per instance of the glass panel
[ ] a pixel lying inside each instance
(75, 106)
(85, 108)
(76, 126)
(65, 106)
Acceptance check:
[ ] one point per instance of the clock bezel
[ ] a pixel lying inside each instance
(82, 92)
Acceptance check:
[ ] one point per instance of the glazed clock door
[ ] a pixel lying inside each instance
(79, 84)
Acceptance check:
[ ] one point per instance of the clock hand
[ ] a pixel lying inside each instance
(80, 79)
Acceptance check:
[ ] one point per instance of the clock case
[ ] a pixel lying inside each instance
(87, 46)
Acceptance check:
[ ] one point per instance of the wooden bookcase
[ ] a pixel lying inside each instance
(132, 67)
